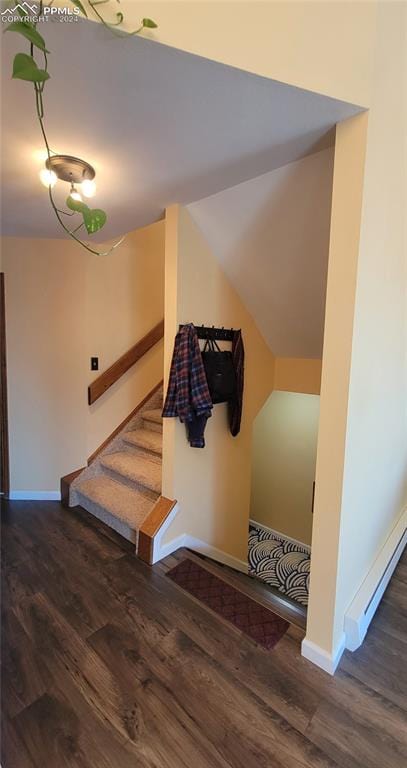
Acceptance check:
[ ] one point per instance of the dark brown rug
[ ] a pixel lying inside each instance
(259, 623)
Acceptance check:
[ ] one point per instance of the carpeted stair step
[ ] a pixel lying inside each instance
(153, 420)
(145, 439)
(134, 468)
(122, 508)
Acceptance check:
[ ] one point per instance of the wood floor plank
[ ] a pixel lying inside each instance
(67, 653)
(13, 751)
(108, 663)
(15, 549)
(50, 731)
(82, 739)
(18, 581)
(392, 620)
(103, 530)
(249, 731)
(258, 668)
(381, 665)
(24, 676)
(359, 727)
(402, 571)
(119, 646)
(77, 594)
(101, 690)
(68, 531)
(396, 592)
(265, 672)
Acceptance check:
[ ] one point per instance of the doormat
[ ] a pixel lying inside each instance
(280, 562)
(256, 621)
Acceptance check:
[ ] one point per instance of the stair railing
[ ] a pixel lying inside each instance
(106, 380)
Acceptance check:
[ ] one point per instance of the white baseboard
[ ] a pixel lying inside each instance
(197, 545)
(35, 496)
(326, 661)
(215, 554)
(162, 550)
(167, 549)
(280, 535)
(364, 605)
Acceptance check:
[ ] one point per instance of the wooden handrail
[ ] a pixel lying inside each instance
(126, 361)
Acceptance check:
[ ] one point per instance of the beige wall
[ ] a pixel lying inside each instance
(46, 361)
(375, 467)
(63, 306)
(361, 485)
(125, 299)
(271, 237)
(294, 374)
(342, 274)
(323, 46)
(285, 434)
(212, 484)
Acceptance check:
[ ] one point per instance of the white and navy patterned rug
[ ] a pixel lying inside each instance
(280, 563)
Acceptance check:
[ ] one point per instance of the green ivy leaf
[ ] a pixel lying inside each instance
(29, 32)
(79, 5)
(149, 23)
(77, 205)
(25, 68)
(94, 220)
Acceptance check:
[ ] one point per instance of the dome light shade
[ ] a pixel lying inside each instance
(88, 187)
(48, 178)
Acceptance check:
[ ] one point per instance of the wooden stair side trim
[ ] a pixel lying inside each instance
(66, 483)
(151, 527)
(123, 424)
(98, 387)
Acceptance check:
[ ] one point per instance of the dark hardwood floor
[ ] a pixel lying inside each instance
(108, 664)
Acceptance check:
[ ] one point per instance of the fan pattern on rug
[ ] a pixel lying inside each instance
(281, 563)
(259, 623)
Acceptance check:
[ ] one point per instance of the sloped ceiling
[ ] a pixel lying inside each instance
(159, 125)
(271, 235)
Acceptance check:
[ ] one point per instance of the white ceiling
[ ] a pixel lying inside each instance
(159, 125)
(271, 235)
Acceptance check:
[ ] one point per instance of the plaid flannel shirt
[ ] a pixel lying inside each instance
(188, 394)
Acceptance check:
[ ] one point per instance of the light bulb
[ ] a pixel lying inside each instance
(75, 194)
(48, 178)
(88, 187)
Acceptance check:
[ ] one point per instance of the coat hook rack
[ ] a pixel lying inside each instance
(217, 334)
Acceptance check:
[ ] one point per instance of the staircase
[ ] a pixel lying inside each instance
(123, 483)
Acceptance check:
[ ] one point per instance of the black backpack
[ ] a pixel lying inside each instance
(220, 372)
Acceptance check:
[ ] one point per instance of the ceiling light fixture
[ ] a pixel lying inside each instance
(65, 167)
(70, 169)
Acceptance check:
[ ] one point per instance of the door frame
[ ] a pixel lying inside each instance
(4, 445)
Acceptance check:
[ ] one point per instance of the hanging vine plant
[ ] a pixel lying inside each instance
(26, 67)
